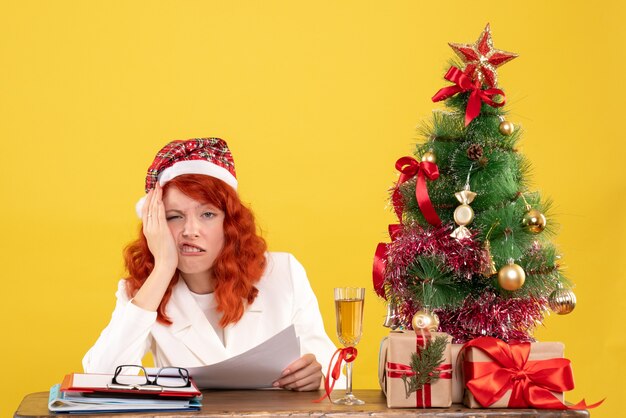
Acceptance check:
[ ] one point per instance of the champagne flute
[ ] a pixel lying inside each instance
(349, 313)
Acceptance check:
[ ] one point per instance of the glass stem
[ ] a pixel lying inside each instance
(349, 379)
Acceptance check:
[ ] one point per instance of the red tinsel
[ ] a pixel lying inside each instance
(487, 314)
(510, 319)
(464, 257)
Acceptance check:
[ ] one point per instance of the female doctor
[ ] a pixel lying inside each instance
(201, 287)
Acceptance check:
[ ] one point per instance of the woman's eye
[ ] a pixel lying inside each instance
(208, 215)
(172, 217)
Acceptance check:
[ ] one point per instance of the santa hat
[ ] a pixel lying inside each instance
(208, 156)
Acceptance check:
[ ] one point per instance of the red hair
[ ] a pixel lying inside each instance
(236, 269)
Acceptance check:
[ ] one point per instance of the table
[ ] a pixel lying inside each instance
(279, 403)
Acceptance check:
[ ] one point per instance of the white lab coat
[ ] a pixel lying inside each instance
(285, 297)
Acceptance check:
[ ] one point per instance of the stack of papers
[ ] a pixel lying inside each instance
(94, 393)
(83, 403)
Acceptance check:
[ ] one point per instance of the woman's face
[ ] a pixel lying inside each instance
(198, 230)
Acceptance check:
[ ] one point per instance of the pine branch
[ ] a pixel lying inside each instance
(424, 364)
(434, 285)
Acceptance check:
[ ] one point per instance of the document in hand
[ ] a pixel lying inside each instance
(77, 402)
(101, 383)
(257, 368)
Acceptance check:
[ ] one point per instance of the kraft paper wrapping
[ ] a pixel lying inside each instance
(538, 351)
(398, 348)
(458, 385)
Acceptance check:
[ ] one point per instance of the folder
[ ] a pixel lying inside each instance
(88, 383)
(79, 402)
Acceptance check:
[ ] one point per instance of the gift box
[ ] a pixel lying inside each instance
(395, 372)
(458, 385)
(523, 375)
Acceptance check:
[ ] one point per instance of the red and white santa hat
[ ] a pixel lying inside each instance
(208, 156)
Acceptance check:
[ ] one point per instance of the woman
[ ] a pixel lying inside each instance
(201, 286)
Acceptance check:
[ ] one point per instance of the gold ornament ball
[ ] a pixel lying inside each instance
(562, 301)
(534, 221)
(429, 156)
(506, 128)
(425, 320)
(511, 277)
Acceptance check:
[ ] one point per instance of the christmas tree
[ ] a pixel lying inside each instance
(472, 253)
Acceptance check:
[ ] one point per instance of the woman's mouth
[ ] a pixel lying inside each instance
(190, 249)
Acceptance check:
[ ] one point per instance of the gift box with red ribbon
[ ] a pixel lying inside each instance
(395, 372)
(522, 375)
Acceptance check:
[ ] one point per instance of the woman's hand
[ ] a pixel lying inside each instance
(157, 233)
(301, 375)
(162, 246)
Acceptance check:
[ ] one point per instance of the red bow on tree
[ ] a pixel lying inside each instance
(531, 382)
(409, 167)
(477, 96)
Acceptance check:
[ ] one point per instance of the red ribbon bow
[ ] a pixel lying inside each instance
(464, 83)
(347, 354)
(531, 382)
(409, 167)
(380, 258)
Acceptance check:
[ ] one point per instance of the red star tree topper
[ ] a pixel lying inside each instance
(482, 58)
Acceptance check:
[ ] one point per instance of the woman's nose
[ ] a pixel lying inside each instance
(191, 228)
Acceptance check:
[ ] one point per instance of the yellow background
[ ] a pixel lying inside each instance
(317, 100)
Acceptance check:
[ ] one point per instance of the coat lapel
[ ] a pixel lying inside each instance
(250, 330)
(244, 335)
(193, 328)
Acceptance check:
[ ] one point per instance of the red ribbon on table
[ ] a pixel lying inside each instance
(347, 354)
(399, 370)
(380, 259)
(477, 96)
(409, 167)
(531, 381)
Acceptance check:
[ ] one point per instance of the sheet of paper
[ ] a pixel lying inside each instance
(257, 368)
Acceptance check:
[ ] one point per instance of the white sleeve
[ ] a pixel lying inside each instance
(308, 320)
(125, 340)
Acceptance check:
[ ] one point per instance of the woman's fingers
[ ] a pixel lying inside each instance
(157, 232)
(303, 374)
(154, 202)
(308, 378)
(145, 210)
(153, 213)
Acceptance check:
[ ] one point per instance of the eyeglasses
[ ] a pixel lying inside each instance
(129, 376)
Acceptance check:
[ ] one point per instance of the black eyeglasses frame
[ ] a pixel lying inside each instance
(182, 373)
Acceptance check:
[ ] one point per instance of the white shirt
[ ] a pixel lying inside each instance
(208, 306)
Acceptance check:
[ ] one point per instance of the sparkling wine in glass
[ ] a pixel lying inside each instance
(349, 313)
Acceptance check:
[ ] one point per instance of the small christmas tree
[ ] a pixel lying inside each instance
(472, 254)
